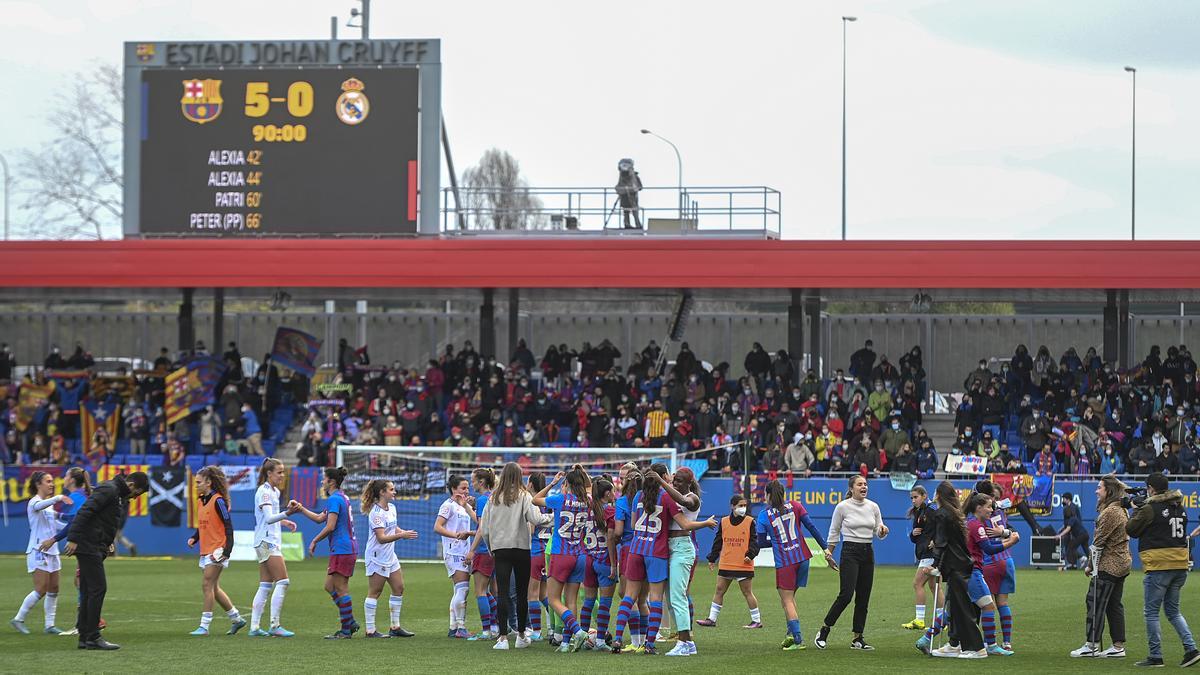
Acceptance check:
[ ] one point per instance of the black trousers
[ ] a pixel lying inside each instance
(509, 562)
(963, 629)
(1074, 545)
(857, 577)
(92, 588)
(1104, 601)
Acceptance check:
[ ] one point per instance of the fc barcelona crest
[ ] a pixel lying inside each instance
(201, 100)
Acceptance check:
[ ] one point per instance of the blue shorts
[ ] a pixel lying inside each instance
(646, 568)
(567, 569)
(977, 588)
(1009, 583)
(598, 574)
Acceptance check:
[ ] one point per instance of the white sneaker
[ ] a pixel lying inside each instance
(1088, 650)
(947, 651)
(73, 631)
(681, 649)
(1113, 653)
(521, 642)
(502, 643)
(981, 654)
(578, 639)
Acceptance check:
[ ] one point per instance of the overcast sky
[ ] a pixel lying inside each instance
(967, 119)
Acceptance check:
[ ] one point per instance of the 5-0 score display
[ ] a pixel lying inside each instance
(298, 148)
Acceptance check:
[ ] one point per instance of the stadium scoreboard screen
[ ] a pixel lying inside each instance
(317, 138)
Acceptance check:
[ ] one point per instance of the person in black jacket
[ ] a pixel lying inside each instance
(90, 540)
(921, 535)
(953, 562)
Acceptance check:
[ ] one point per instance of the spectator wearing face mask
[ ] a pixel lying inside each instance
(839, 456)
(926, 459)
(893, 438)
(1035, 431)
(880, 401)
(1110, 459)
(965, 444)
(253, 432)
(863, 361)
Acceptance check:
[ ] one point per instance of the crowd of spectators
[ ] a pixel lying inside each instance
(1080, 415)
(51, 432)
(1025, 414)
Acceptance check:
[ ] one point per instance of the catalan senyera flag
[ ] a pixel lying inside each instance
(139, 506)
(95, 415)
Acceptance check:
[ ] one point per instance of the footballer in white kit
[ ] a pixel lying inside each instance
(43, 525)
(268, 540)
(454, 551)
(381, 558)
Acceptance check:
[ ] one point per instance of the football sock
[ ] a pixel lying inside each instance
(535, 616)
(485, 612)
(277, 596)
(233, 614)
(570, 625)
(369, 606)
(755, 616)
(585, 617)
(51, 605)
(623, 611)
(920, 614)
(1006, 623)
(205, 620)
(714, 611)
(259, 604)
(793, 627)
(27, 604)
(395, 603)
(988, 620)
(602, 616)
(656, 612)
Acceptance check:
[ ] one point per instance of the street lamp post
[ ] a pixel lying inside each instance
(678, 159)
(1133, 159)
(845, 20)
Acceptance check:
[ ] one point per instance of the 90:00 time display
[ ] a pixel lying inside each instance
(286, 133)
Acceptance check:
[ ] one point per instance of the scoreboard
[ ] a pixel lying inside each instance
(327, 138)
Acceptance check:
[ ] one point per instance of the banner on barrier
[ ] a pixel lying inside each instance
(966, 464)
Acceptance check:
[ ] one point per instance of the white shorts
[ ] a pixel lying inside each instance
(265, 550)
(206, 560)
(382, 569)
(46, 562)
(456, 563)
(925, 562)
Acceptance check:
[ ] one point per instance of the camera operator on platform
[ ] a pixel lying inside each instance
(1160, 526)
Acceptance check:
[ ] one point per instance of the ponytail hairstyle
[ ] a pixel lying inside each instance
(79, 477)
(650, 488)
(577, 483)
(947, 499)
(688, 478)
(35, 478)
(919, 489)
(337, 475)
(371, 493)
(976, 500)
(485, 476)
(220, 484)
(267, 467)
(775, 495)
(451, 483)
(850, 485)
(630, 486)
(600, 490)
(986, 487)
(537, 482)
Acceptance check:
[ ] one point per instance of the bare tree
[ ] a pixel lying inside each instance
(496, 197)
(72, 186)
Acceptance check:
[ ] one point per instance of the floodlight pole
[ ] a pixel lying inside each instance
(845, 20)
(1133, 159)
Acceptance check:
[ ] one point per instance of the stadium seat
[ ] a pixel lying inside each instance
(123, 446)
(564, 436)
(153, 460)
(116, 459)
(195, 462)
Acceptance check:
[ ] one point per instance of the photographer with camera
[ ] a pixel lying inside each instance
(1160, 526)
(1109, 564)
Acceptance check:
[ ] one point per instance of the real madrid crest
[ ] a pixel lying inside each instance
(201, 100)
(352, 105)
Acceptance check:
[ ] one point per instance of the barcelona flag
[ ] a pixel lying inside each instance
(192, 387)
(296, 350)
(95, 415)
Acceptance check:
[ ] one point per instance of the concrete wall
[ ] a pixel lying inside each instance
(951, 344)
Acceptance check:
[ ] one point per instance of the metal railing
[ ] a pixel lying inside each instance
(747, 211)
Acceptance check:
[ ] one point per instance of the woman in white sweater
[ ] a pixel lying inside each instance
(504, 527)
(856, 522)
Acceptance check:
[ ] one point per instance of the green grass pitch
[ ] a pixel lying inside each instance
(153, 604)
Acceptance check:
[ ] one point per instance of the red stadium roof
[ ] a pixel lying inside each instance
(585, 262)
